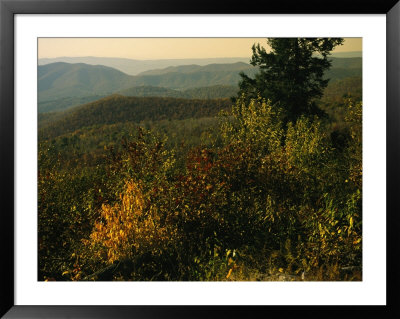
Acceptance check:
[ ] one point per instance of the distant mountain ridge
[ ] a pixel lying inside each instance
(134, 67)
(63, 80)
(61, 85)
(60, 80)
(349, 54)
(187, 69)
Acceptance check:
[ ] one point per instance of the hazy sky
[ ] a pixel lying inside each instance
(160, 48)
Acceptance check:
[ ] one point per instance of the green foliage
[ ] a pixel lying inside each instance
(292, 74)
(211, 92)
(65, 103)
(208, 92)
(282, 200)
(119, 109)
(161, 189)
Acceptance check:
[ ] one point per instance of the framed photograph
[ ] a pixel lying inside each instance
(169, 159)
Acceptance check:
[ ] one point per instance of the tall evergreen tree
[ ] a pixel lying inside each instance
(291, 74)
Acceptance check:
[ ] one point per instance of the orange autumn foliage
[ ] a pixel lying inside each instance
(127, 227)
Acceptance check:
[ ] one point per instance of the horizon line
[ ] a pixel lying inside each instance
(137, 59)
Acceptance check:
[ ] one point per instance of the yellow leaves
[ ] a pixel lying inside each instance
(280, 269)
(350, 226)
(333, 222)
(125, 226)
(115, 231)
(77, 276)
(229, 273)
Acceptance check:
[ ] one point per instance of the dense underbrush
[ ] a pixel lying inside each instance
(263, 198)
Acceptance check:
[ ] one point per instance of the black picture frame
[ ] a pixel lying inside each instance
(8, 8)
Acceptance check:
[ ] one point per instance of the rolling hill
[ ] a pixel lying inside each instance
(134, 67)
(62, 85)
(189, 69)
(120, 109)
(65, 103)
(60, 80)
(209, 92)
(343, 68)
(63, 80)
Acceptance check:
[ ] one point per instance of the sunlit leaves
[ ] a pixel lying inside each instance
(126, 228)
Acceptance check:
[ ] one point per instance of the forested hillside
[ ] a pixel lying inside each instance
(208, 92)
(117, 109)
(62, 85)
(60, 80)
(63, 80)
(265, 186)
(65, 103)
